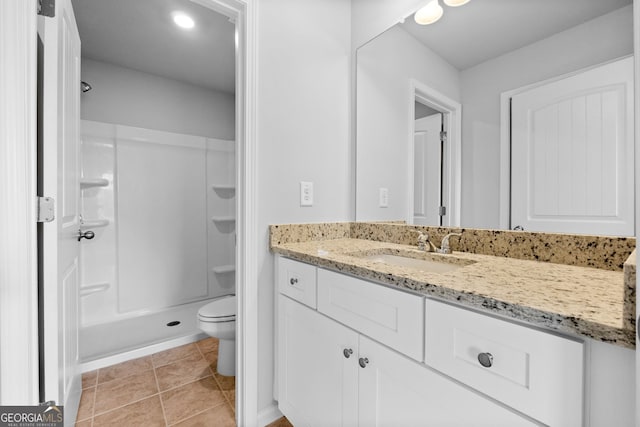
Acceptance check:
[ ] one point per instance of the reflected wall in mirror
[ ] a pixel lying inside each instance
(479, 55)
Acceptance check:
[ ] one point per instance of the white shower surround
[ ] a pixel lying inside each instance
(156, 252)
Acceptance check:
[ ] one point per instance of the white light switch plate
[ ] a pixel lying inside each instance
(384, 197)
(306, 193)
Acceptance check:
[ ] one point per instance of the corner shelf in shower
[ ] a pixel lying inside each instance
(221, 269)
(93, 223)
(227, 219)
(94, 288)
(93, 182)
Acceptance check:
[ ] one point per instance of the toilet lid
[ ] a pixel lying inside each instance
(220, 309)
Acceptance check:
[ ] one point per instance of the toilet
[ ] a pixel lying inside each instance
(218, 319)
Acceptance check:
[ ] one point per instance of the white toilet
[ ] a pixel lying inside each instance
(218, 319)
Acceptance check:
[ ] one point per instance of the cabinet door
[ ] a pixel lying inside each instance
(396, 391)
(317, 383)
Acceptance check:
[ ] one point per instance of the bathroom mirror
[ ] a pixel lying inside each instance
(462, 73)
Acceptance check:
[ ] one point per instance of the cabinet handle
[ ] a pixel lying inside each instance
(347, 352)
(363, 362)
(293, 280)
(485, 359)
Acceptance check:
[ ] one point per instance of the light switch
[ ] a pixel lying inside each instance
(306, 193)
(384, 197)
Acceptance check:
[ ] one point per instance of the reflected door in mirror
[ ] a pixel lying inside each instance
(572, 153)
(427, 181)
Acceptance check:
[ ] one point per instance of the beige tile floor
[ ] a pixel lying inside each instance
(179, 386)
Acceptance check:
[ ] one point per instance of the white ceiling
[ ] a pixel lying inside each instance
(483, 29)
(140, 34)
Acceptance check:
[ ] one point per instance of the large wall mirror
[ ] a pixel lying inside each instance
(500, 114)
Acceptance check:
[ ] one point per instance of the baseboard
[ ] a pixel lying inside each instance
(269, 414)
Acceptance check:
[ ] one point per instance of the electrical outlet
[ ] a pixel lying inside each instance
(306, 193)
(384, 197)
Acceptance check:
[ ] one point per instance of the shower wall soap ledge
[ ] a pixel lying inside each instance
(224, 269)
(223, 219)
(93, 182)
(91, 223)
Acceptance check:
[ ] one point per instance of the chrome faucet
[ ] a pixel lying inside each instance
(444, 247)
(424, 244)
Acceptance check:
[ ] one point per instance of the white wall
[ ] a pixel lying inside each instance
(129, 97)
(303, 133)
(385, 68)
(596, 41)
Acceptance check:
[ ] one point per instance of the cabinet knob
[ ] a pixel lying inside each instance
(485, 359)
(347, 352)
(293, 280)
(363, 361)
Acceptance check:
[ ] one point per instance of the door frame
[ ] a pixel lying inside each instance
(19, 373)
(453, 126)
(505, 136)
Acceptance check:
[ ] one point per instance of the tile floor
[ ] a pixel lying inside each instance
(179, 386)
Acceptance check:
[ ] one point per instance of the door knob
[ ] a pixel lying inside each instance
(293, 281)
(86, 235)
(363, 361)
(347, 352)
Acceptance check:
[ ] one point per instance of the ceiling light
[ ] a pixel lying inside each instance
(455, 3)
(429, 14)
(183, 20)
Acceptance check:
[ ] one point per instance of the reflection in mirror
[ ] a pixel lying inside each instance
(480, 56)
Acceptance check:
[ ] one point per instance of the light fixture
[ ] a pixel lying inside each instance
(432, 12)
(429, 14)
(183, 20)
(455, 3)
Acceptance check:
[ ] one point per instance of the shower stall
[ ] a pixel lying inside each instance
(161, 207)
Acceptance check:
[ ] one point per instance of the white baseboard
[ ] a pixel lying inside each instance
(269, 414)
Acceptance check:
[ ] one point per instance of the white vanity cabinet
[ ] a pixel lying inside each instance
(329, 375)
(339, 373)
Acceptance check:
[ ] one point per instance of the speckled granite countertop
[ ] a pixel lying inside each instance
(578, 300)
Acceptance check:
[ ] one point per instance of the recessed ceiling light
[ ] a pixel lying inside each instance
(455, 3)
(183, 20)
(429, 13)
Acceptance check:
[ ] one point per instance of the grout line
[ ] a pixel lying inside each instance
(197, 413)
(164, 413)
(122, 406)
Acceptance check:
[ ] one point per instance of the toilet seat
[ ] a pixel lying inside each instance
(223, 309)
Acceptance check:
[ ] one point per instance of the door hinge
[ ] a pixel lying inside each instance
(443, 136)
(47, 8)
(46, 209)
(442, 210)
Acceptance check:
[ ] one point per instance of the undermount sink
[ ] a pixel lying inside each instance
(432, 265)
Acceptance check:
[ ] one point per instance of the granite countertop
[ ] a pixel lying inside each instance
(583, 301)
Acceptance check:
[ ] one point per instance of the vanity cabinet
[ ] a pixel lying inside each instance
(339, 365)
(330, 375)
(535, 372)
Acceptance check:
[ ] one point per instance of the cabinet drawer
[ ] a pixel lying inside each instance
(297, 280)
(391, 317)
(537, 373)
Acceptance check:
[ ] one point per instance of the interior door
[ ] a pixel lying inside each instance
(427, 170)
(572, 153)
(61, 173)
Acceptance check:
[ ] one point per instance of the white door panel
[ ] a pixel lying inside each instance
(61, 173)
(572, 153)
(427, 186)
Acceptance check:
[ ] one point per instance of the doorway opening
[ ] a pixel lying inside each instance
(435, 160)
